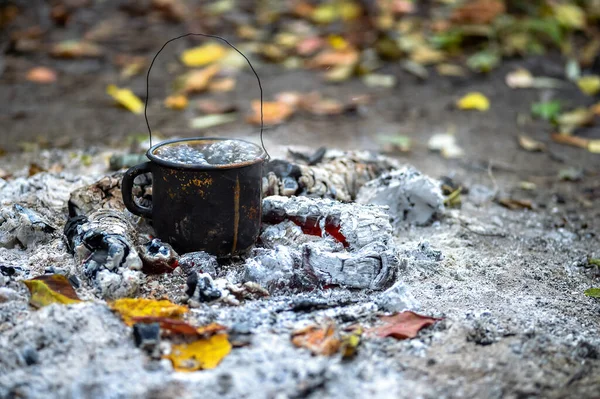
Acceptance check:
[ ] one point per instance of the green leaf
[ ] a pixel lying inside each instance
(594, 261)
(547, 26)
(483, 61)
(548, 110)
(592, 292)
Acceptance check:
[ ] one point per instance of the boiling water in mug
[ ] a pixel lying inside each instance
(222, 152)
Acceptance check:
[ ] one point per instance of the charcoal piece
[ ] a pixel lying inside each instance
(158, 257)
(20, 226)
(147, 337)
(412, 197)
(201, 288)
(200, 262)
(104, 247)
(272, 268)
(338, 175)
(283, 169)
(373, 266)
(353, 225)
(103, 194)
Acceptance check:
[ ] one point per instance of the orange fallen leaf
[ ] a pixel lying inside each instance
(41, 75)
(317, 105)
(332, 58)
(222, 85)
(75, 49)
(403, 325)
(177, 101)
(197, 81)
(273, 112)
(320, 340)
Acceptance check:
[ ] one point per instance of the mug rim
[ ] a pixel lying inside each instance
(174, 165)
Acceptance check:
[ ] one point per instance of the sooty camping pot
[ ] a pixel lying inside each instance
(212, 208)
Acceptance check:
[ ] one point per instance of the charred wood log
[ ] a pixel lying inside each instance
(338, 175)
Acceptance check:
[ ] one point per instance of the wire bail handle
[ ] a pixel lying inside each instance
(230, 45)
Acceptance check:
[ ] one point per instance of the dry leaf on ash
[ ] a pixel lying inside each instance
(130, 308)
(320, 340)
(176, 326)
(403, 325)
(48, 289)
(205, 353)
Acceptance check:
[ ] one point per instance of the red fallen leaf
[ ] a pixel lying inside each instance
(215, 107)
(309, 46)
(179, 326)
(403, 325)
(479, 12)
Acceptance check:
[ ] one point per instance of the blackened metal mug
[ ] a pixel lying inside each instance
(212, 208)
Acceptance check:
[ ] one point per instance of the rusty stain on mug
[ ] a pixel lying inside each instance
(199, 207)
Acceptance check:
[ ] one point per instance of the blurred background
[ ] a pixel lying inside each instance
(465, 84)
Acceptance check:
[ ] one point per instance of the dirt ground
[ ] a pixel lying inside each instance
(510, 287)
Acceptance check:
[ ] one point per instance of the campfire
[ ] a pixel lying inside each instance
(326, 222)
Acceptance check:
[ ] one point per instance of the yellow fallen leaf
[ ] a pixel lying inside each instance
(203, 55)
(594, 146)
(49, 289)
(590, 84)
(130, 308)
(338, 43)
(425, 55)
(126, 98)
(350, 342)
(529, 144)
(570, 16)
(177, 101)
(475, 100)
(204, 353)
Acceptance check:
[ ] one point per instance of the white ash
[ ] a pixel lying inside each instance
(200, 262)
(48, 189)
(397, 298)
(23, 227)
(359, 224)
(412, 197)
